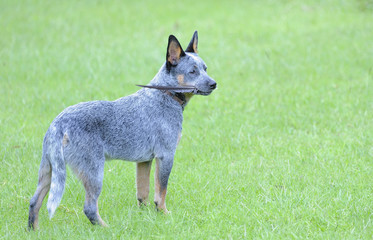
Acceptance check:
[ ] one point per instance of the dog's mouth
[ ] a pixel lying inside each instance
(203, 93)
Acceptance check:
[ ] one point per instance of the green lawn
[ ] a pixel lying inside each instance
(282, 149)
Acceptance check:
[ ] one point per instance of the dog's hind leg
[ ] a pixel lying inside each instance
(162, 173)
(90, 170)
(142, 181)
(42, 189)
(93, 184)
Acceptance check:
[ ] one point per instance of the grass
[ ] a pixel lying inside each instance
(283, 148)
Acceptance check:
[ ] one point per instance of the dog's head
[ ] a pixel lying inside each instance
(187, 68)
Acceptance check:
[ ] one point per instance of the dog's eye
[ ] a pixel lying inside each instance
(193, 71)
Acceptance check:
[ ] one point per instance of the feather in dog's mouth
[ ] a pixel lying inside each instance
(181, 89)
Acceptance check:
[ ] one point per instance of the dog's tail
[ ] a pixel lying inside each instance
(58, 174)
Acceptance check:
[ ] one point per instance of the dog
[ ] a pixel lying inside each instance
(138, 128)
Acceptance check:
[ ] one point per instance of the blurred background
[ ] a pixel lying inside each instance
(282, 148)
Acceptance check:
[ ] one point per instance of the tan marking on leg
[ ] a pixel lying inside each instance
(142, 181)
(65, 140)
(180, 79)
(163, 201)
(41, 192)
(157, 186)
(35, 213)
(41, 197)
(100, 221)
(159, 193)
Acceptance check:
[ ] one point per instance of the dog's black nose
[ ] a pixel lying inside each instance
(213, 85)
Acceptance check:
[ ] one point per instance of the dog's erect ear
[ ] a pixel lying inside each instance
(174, 52)
(193, 45)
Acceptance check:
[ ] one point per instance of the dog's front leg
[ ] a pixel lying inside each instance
(142, 181)
(162, 173)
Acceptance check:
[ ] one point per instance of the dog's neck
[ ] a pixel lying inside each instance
(178, 97)
(181, 98)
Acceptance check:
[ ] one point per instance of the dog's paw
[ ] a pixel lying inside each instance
(163, 210)
(142, 202)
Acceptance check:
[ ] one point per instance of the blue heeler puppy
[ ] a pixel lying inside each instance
(137, 128)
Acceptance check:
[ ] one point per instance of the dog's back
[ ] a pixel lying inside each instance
(132, 128)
